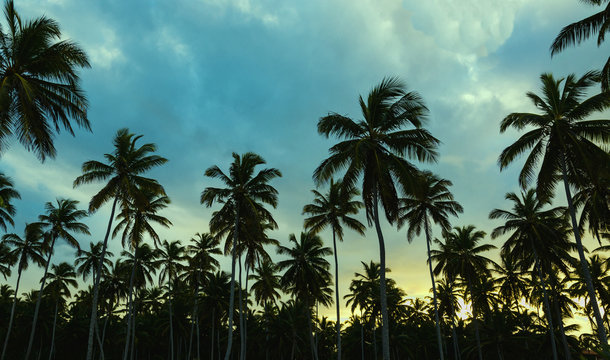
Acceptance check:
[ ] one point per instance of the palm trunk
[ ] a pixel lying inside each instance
(361, 338)
(213, 323)
(385, 331)
(476, 322)
(130, 306)
(456, 345)
(564, 340)
(194, 314)
(96, 288)
(314, 351)
(241, 318)
(133, 328)
(337, 297)
(104, 333)
(53, 334)
(198, 337)
(43, 281)
(601, 330)
(10, 322)
(546, 305)
(246, 314)
(171, 326)
(436, 317)
(232, 297)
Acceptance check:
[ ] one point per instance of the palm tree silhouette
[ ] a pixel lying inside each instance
(428, 199)
(123, 172)
(40, 87)
(332, 210)
(374, 149)
(565, 143)
(61, 277)
(244, 196)
(7, 195)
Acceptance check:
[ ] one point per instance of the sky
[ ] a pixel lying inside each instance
(205, 78)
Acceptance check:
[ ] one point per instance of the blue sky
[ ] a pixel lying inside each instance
(206, 78)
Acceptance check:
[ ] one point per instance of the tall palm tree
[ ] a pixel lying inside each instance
(580, 31)
(460, 255)
(429, 198)
(244, 195)
(61, 277)
(306, 272)
(7, 195)
(535, 238)
(123, 171)
(170, 255)
(332, 210)
(86, 261)
(201, 263)
(40, 88)
(374, 149)
(564, 142)
(60, 221)
(25, 250)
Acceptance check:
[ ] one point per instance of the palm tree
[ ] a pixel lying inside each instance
(374, 149)
(87, 261)
(332, 210)
(512, 286)
(306, 272)
(6, 260)
(565, 142)
(28, 249)
(123, 171)
(243, 196)
(580, 31)
(170, 255)
(40, 88)
(201, 262)
(592, 198)
(535, 238)
(61, 277)
(460, 255)
(601, 282)
(60, 221)
(428, 199)
(265, 287)
(7, 195)
(448, 306)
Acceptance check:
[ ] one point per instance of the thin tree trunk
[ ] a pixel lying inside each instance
(601, 330)
(213, 323)
(198, 337)
(93, 319)
(133, 329)
(242, 348)
(36, 310)
(314, 351)
(546, 305)
(246, 314)
(194, 315)
(374, 342)
(456, 345)
(436, 317)
(104, 333)
(171, 325)
(361, 335)
(232, 297)
(53, 333)
(10, 322)
(338, 325)
(385, 330)
(476, 322)
(564, 340)
(130, 305)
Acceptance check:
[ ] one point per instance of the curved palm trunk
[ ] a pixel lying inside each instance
(130, 307)
(232, 297)
(546, 305)
(96, 286)
(10, 322)
(601, 330)
(436, 317)
(385, 331)
(476, 323)
(53, 334)
(337, 297)
(36, 310)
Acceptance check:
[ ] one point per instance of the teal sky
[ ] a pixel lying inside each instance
(206, 78)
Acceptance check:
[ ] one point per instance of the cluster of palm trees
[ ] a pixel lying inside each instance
(168, 299)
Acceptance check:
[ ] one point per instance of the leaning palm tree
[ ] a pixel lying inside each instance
(123, 171)
(306, 272)
(460, 255)
(24, 250)
(243, 196)
(374, 150)
(429, 198)
(332, 210)
(39, 87)
(60, 221)
(61, 277)
(565, 143)
(7, 195)
(580, 31)
(170, 255)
